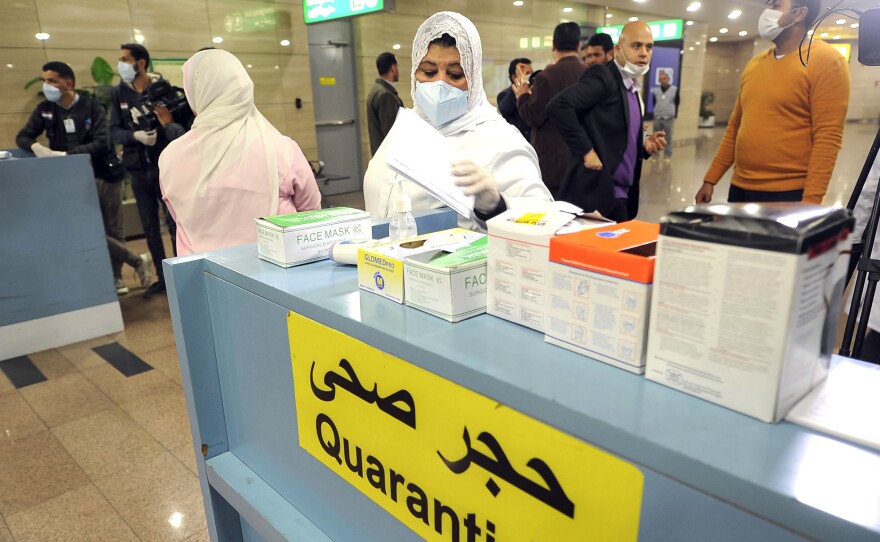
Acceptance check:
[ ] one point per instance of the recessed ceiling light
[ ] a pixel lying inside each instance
(690, 48)
(809, 32)
(608, 15)
(696, 43)
(250, 66)
(10, 66)
(837, 37)
(42, 36)
(285, 43)
(854, 25)
(694, 6)
(567, 10)
(713, 39)
(518, 3)
(139, 38)
(823, 35)
(689, 23)
(639, 1)
(743, 33)
(396, 46)
(217, 39)
(840, 21)
(633, 19)
(734, 14)
(723, 31)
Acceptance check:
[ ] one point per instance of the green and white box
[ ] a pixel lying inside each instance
(298, 238)
(449, 285)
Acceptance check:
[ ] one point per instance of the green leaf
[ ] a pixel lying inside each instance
(33, 82)
(102, 72)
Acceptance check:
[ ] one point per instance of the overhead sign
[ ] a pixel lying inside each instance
(449, 463)
(316, 11)
(662, 30)
(252, 20)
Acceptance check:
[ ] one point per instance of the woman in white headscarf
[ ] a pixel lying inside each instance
(495, 163)
(233, 166)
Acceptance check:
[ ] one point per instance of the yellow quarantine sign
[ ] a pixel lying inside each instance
(448, 462)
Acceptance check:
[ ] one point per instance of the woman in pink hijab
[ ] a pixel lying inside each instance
(233, 166)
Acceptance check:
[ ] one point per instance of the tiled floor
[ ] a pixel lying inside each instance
(92, 455)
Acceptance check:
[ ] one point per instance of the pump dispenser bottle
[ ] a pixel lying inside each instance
(403, 224)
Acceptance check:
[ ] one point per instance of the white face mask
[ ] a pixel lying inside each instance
(768, 24)
(634, 70)
(127, 72)
(441, 102)
(52, 94)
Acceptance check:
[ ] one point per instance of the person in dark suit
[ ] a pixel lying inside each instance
(600, 118)
(532, 100)
(520, 70)
(383, 101)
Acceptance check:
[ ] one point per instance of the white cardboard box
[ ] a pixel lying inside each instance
(381, 268)
(517, 268)
(448, 285)
(600, 292)
(746, 303)
(298, 238)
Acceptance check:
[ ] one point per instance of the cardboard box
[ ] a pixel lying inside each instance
(449, 285)
(381, 269)
(519, 250)
(600, 292)
(746, 302)
(298, 238)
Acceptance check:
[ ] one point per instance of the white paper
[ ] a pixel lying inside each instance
(421, 154)
(845, 405)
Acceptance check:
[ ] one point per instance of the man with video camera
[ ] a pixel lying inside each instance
(147, 113)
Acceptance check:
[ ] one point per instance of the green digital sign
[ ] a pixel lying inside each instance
(662, 30)
(317, 11)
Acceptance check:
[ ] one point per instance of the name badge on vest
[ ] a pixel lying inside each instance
(69, 126)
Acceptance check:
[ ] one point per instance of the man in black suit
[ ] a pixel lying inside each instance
(600, 118)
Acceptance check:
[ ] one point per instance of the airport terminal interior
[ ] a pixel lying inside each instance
(97, 448)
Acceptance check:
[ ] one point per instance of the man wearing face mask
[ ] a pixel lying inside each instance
(77, 124)
(600, 118)
(786, 129)
(141, 149)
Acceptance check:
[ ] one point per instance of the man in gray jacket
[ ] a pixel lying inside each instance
(383, 101)
(665, 110)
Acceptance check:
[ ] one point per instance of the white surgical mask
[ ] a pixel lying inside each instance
(768, 24)
(441, 102)
(634, 70)
(127, 72)
(52, 94)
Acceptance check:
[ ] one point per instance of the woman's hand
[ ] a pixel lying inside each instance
(477, 182)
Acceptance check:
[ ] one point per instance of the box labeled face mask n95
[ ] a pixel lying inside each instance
(298, 238)
(746, 302)
(449, 285)
(600, 292)
(381, 267)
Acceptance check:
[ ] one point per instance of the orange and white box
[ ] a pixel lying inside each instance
(600, 292)
(518, 260)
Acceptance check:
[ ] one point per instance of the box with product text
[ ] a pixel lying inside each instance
(518, 256)
(381, 268)
(600, 291)
(449, 285)
(746, 302)
(298, 238)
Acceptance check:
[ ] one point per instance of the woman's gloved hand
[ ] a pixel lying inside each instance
(477, 182)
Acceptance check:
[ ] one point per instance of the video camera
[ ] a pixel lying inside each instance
(161, 93)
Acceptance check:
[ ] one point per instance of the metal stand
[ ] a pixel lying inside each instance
(868, 268)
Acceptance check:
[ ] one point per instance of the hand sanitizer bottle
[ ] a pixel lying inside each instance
(403, 224)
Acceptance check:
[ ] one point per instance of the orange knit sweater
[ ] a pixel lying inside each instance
(787, 126)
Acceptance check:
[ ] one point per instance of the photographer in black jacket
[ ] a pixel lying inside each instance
(144, 132)
(76, 124)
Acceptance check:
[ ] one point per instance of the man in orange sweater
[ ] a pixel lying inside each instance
(786, 128)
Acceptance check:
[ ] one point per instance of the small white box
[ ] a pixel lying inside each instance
(600, 292)
(298, 238)
(449, 285)
(381, 267)
(517, 267)
(746, 302)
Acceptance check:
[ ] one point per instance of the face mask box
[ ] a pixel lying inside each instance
(746, 302)
(298, 238)
(517, 269)
(449, 285)
(600, 290)
(381, 267)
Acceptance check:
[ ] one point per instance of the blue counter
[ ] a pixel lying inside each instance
(709, 473)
